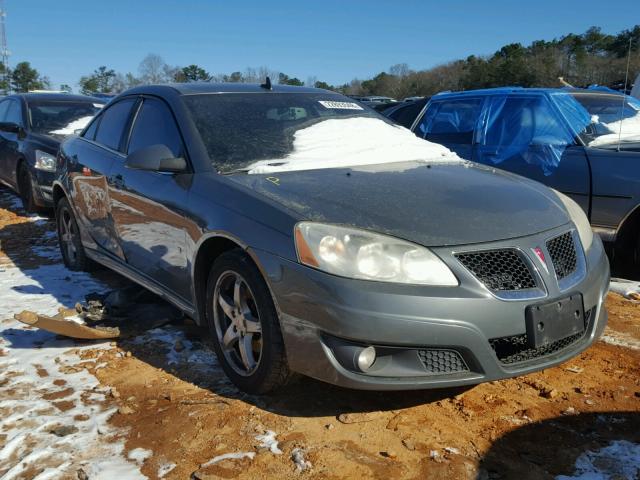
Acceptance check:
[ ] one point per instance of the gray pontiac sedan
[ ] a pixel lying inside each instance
(309, 234)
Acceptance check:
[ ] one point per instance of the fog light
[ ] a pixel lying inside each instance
(366, 358)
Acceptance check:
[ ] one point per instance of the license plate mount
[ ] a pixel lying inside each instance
(549, 322)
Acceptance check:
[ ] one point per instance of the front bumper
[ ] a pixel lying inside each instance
(43, 187)
(320, 314)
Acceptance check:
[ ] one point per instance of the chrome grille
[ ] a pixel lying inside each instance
(563, 255)
(499, 270)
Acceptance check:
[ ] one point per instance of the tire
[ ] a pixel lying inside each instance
(25, 189)
(73, 253)
(244, 325)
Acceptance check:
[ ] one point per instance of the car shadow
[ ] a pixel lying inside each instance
(548, 448)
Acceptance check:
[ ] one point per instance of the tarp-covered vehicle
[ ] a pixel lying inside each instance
(584, 143)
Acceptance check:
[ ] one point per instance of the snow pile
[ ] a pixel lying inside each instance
(621, 459)
(338, 143)
(71, 128)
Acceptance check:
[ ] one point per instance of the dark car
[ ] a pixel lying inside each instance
(585, 143)
(31, 128)
(311, 234)
(405, 113)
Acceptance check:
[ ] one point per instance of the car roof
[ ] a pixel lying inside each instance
(520, 90)
(196, 88)
(57, 97)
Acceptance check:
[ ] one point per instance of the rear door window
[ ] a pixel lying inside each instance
(113, 122)
(14, 113)
(4, 106)
(155, 125)
(406, 114)
(451, 122)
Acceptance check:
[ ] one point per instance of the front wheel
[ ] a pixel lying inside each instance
(244, 325)
(71, 247)
(25, 189)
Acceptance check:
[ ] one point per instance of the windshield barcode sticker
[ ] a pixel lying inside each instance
(340, 105)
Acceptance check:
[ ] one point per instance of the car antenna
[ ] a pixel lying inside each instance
(267, 84)
(624, 94)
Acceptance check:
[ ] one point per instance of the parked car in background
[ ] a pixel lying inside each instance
(31, 128)
(584, 143)
(405, 113)
(374, 100)
(310, 234)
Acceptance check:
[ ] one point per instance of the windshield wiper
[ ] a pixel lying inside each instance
(236, 170)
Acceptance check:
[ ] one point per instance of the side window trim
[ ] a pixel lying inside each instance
(185, 153)
(126, 134)
(99, 120)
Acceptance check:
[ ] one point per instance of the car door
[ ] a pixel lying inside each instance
(4, 106)
(452, 123)
(102, 146)
(147, 206)
(616, 185)
(10, 142)
(525, 134)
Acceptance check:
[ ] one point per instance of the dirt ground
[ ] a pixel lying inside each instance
(174, 401)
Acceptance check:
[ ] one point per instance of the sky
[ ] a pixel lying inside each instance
(332, 40)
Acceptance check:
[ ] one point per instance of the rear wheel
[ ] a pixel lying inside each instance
(25, 189)
(71, 247)
(244, 325)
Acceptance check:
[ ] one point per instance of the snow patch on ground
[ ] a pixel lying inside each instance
(139, 455)
(339, 143)
(165, 468)
(268, 441)
(297, 455)
(51, 415)
(626, 288)
(227, 456)
(620, 459)
(620, 339)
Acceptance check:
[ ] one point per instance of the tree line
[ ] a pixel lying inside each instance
(593, 57)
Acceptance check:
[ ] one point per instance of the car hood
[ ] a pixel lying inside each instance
(50, 141)
(432, 205)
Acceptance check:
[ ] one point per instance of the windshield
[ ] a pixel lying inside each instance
(610, 118)
(271, 132)
(51, 117)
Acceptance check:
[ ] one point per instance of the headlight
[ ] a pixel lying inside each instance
(354, 253)
(579, 219)
(45, 161)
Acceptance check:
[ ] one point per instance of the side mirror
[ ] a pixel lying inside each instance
(11, 127)
(156, 158)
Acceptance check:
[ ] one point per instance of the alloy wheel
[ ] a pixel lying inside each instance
(237, 323)
(68, 236)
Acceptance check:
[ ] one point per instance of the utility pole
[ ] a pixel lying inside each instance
(4, 51)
